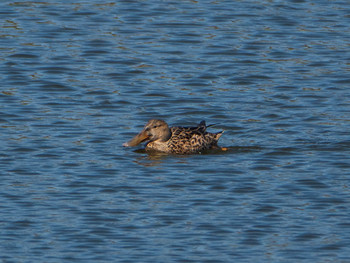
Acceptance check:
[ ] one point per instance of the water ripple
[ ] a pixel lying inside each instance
(80, 78)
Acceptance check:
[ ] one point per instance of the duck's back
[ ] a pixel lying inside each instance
(185, 140)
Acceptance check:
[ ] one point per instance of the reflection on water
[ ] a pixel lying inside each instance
(150, 159)
(78, 78)
(155, 158)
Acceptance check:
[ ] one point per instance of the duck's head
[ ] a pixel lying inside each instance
(154, 130)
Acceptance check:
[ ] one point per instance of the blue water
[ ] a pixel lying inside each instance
(79, 78)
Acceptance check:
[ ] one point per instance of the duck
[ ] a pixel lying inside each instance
(175, 140)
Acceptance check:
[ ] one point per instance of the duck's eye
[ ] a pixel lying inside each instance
(155, 126)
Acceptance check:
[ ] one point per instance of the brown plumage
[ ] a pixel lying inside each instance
(176, 140)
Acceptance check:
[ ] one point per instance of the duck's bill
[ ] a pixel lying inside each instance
(141, 137)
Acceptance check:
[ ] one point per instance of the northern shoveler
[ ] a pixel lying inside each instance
(176, 140)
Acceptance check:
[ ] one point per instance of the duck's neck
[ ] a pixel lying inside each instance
(166, 135)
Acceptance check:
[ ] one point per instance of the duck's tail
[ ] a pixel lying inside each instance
(218, 135)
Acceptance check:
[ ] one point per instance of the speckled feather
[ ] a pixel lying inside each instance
(192, 140)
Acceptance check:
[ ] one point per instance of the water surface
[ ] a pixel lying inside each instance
(79, 78)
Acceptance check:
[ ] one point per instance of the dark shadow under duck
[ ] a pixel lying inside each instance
(176, 140)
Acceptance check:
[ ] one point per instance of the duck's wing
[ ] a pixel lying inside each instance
(200, 129)
(202, 125)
